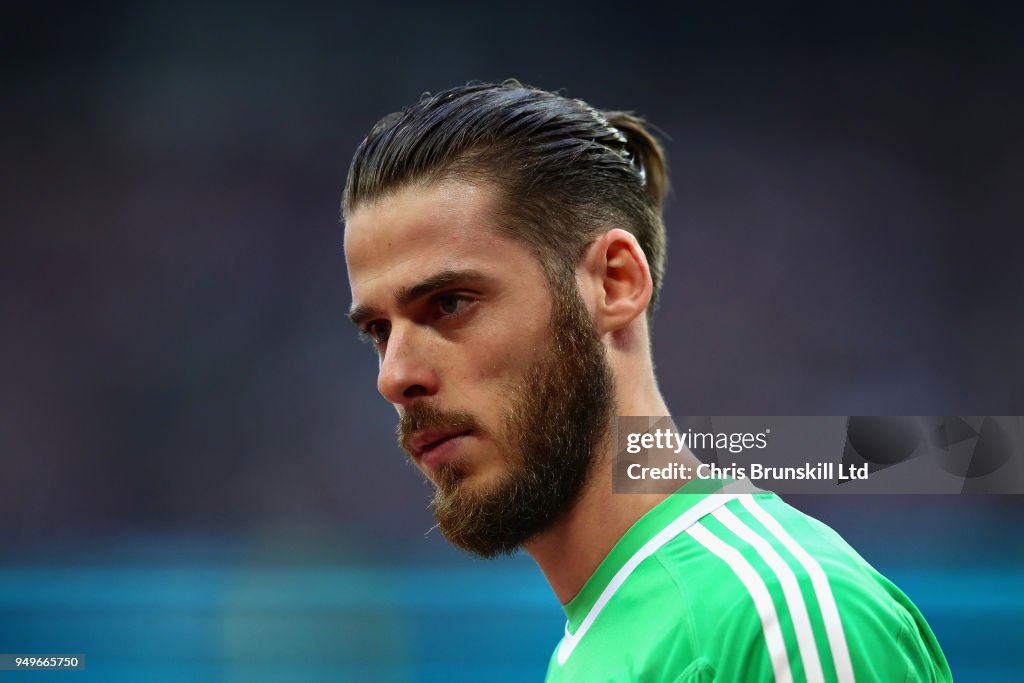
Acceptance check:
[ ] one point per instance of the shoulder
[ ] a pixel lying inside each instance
(775, 591)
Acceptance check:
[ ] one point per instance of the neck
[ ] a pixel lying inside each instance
(570, 551)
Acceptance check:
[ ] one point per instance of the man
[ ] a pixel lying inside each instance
(505, 248)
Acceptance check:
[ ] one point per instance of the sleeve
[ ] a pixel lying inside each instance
(887, 637)
(883, 639)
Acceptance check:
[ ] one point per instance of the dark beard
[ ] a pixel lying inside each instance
(558, 418)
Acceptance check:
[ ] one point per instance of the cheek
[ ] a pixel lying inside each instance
(507, 366)
(498, 365)
(505, 345)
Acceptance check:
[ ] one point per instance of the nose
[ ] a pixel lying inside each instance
(405, 373)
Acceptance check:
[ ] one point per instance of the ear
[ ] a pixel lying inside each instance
(615, 276)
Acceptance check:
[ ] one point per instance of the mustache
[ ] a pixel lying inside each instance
(420, 416)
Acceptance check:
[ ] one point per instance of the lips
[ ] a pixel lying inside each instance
(427, 440)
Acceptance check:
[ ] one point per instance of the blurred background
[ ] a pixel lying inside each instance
(199, 481)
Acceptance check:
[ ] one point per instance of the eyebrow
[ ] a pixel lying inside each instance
(405, 296)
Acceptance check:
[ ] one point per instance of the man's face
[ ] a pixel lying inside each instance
(502, 390)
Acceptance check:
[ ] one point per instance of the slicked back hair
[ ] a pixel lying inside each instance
(565, 171)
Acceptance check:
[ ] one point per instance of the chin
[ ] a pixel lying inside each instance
(469, 482)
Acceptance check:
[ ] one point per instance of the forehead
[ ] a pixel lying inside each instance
(420, 214)
(423, 229)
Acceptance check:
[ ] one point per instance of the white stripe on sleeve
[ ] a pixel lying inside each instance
(758, 592)
(822, 590)
(790, 590)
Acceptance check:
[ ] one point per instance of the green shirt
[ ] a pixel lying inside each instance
(718, 585)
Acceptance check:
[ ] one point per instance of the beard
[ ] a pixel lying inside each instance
(557, 418)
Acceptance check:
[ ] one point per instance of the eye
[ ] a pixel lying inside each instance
(451, 304)
(378, 331)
